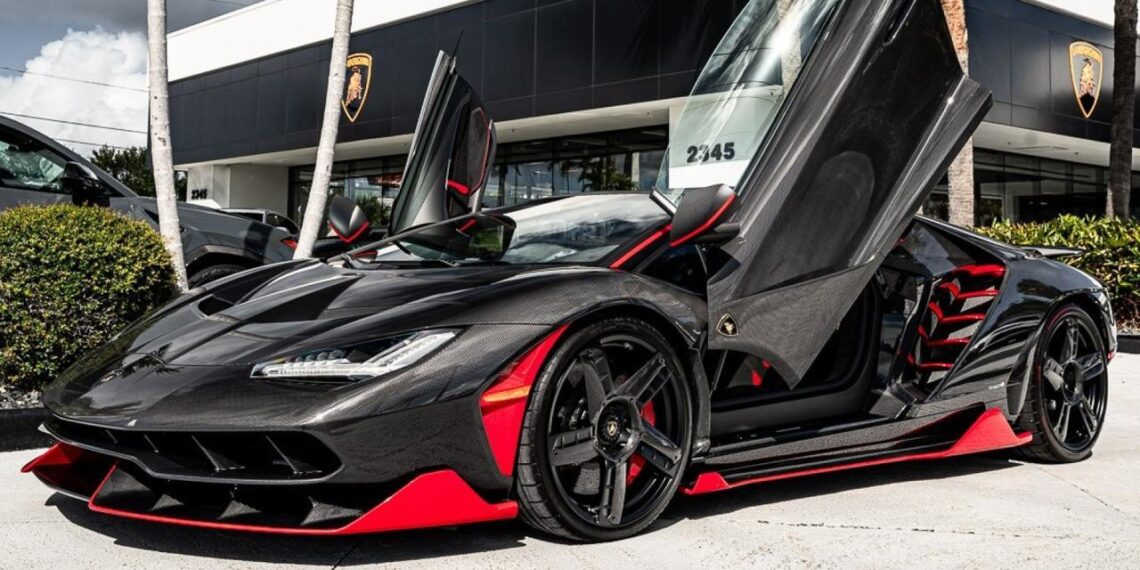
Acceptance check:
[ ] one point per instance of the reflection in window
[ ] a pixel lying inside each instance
(524, 171)
(1029, 189)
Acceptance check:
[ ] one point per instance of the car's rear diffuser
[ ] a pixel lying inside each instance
(989, 432)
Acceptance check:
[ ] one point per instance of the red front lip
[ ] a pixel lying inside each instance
(433, 499)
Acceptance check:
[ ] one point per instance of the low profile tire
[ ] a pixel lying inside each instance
(607, 433)
(1068, 396)
(213, 272)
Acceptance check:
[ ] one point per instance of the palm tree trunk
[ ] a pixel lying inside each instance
(161, 155)
(961, 172)
(1123, 109)
(319, 191)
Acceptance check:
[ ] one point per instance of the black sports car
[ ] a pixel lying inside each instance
(577, 360)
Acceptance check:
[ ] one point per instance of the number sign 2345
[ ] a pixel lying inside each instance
(717, 152)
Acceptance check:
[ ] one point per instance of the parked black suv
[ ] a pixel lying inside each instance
(216, 244)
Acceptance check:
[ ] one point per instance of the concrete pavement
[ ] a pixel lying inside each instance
(970, 512)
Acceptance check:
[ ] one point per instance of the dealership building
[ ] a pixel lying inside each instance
(584, 93)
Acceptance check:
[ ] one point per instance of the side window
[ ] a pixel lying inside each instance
(27, 164)
(681, 266)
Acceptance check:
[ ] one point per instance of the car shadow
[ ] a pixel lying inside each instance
(441, 543)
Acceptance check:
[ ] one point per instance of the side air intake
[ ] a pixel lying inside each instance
(958, 304)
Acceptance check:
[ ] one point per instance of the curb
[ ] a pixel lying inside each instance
(21, 429)
(1128, 343)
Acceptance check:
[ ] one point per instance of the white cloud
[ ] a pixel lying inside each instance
(95, 55)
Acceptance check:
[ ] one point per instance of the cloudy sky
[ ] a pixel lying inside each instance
(101, 42)
(96, 42)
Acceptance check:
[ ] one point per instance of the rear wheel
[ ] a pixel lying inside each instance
(1069, 392)
(607, 433)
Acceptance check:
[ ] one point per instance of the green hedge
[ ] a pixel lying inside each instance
(70, 278)
(1112, 254)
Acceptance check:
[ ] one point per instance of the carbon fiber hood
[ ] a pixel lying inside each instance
(188, 364)
(294, 306)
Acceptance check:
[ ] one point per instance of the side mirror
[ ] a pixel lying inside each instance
(700, 216)
(346, 219)
(83, 185)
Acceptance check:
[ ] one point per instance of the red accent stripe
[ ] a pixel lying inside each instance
(467, 225)
(504, 402)
(958, 295)
(438, 498)
(640, 247)
(290, 243)
(941, 342)
(989, 432)
(462, 189)
(353, 237)
(928, 366)
(954, 319)
(708, 223)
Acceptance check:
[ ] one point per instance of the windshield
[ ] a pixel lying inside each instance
(581, 229)
(740, 92)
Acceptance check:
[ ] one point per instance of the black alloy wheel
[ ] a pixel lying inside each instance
(1069, 396)
(607, 433)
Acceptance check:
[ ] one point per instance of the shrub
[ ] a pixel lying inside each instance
(1112, 254)
(70, 278)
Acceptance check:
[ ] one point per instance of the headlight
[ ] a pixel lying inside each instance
(358, 362)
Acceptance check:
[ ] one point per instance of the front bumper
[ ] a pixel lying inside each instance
(431, 499)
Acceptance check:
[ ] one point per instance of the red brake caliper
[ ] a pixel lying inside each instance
(637, 462)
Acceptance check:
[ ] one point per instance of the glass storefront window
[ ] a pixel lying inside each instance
(1024, 188)
(531, 170)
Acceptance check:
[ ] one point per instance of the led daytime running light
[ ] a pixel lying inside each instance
(337, 363)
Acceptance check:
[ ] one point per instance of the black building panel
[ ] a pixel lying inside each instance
(527, 57)
(509, 45)
(565, 35)
(626, 40)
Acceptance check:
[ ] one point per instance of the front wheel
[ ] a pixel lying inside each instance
(1068, 396)
(607, 433)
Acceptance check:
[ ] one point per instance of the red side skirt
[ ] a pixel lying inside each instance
(989, 432)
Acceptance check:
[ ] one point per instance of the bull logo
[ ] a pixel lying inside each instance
(1086, 64)
(357, 80)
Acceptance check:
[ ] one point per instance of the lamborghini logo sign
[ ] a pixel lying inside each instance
(1086, 64)
(727, 326)
(357, 80)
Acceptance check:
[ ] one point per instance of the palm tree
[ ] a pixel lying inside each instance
(1123, 109)
(961, 172)
(161, 155)
(319, 191)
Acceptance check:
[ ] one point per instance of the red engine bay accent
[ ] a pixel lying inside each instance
(504, 402)
(437, 498)
(353, 237)
(989, 432)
